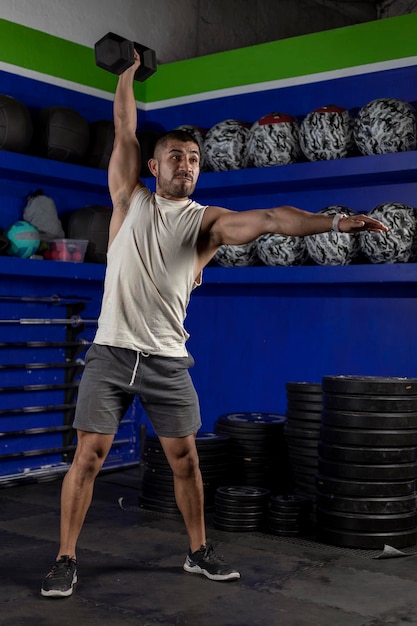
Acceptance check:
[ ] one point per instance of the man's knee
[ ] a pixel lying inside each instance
(92, 450)
(182, 456)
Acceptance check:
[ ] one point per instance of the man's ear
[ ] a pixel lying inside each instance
(153, 166)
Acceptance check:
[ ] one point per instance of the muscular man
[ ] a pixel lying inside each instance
(158, 246)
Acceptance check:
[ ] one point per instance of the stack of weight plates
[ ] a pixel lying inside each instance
(241, 508)
(302, 432)
(289, 516)
(367, 462)
(257, 449)
(157, 490)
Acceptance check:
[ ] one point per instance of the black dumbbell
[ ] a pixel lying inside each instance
(115, 54)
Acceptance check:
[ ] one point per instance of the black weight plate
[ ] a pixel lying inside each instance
(304, 425)
(366, 523)
(370, 404)
(368, 541)
(301, 444)
(250, 419)
(290, 502)
(301, 433)
(237, 528)
(306, 398)
(362, 437)
(303, 473)
(278, 525)
(393, 472)
(379, 421)
(364, 489)
(252, 518)
(282, 524)
(232, 508)
(303, 386)
(297, 450)
(287, 533)
(305, 416)
(293, 405)
(368, 506)
(305, 489)
(209, 439)
(354, 454)
(297, 460)
(369, 385)
(243, 493)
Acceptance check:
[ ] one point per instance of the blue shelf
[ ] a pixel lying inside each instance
(22, 167)
(10, 266)
(400, 167)
(340, 274)
(381, 169)
(310, 274)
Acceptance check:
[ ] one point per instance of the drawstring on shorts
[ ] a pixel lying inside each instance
(135, 369)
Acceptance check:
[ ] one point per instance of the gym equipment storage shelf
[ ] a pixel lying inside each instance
(378, 274)
(375, 171)
(397, 168)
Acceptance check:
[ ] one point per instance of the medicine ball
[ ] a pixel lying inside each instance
(24, 239)
(225, 145)
(398, 244)
(92, 223)
(236, 256)
(327, 133)
(100, 145)
(274, 140)
(16, 126)
(275, 249)
(147, 140)
(61, 134)
(385, 125)
(333, 248)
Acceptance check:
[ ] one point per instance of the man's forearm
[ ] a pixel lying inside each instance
(124, 107)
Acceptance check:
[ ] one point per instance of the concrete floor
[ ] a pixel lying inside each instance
(130, 570)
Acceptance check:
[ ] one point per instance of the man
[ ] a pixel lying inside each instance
(158, 246)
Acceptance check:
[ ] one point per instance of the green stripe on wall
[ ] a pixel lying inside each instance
(53, 56)
(336, 49)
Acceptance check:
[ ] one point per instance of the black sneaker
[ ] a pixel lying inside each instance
(204, 561)
(61, 579)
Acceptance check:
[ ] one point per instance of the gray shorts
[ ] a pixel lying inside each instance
(113, 376)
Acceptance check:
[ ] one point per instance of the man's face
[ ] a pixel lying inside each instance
(176, 168)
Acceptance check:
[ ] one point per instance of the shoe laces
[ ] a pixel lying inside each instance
(210, 555)
(62, 565)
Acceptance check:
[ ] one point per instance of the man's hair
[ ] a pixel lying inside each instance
(177, 135)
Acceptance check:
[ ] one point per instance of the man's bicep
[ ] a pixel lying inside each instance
(124, 166)
(238, 227)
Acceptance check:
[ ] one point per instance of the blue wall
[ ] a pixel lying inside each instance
(252, 329)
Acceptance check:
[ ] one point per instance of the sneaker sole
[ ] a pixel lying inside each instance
(195, 569)
(55, 593)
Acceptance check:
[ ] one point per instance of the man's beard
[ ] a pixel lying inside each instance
(177, 187)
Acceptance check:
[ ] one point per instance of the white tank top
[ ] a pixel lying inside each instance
(150, 275)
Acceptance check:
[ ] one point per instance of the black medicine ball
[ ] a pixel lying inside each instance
(147, 140)
(16, 126)
(61, 134)
(101, 144)
(92, 223)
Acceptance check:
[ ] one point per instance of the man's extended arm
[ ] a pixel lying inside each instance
(221, 226)
(125, 161)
